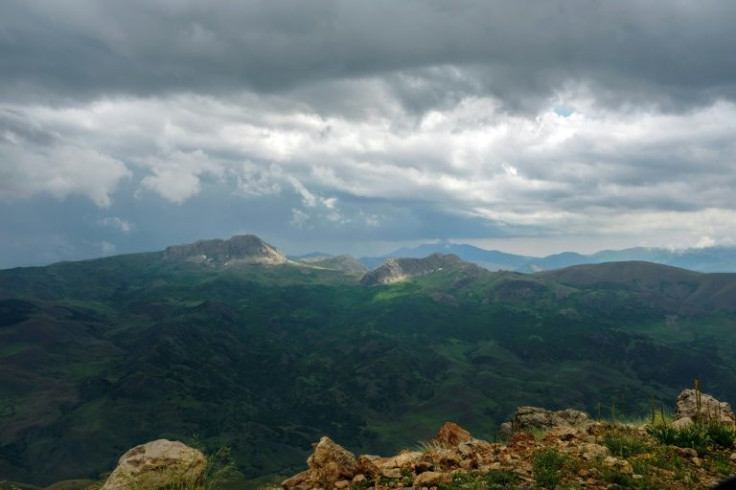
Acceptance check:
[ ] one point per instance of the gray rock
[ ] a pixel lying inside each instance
(241, 249)
(535, 418)
(711, 410)
(156, 465)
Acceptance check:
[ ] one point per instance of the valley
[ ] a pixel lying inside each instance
(265, 355)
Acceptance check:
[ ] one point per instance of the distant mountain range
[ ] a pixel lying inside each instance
(709, 259)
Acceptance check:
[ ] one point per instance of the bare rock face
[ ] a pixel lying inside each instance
(528, 419)
(242, 249)
(395, 270)
(156, 465)
(708, 409)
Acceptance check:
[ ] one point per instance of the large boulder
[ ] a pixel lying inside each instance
(529, 419)
(156, 465)
(707, 409)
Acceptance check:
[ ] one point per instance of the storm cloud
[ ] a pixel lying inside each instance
(361, 125)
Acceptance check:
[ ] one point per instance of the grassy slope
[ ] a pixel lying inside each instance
(98, 356)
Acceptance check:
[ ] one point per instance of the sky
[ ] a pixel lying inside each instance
(359, 127)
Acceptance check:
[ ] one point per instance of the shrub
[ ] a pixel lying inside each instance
(502, 479)
(624, 443)
(696, 436)
(547, 467)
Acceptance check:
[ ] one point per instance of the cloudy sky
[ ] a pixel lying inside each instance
(361, 126)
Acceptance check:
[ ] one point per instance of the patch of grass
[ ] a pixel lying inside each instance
(721, 435)
(501, 479)
(623, 442)
(696, 436)
(547, 466)
(623, 480)
(721, 462)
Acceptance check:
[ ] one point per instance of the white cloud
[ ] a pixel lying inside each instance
(124, 226)
(594, 171)
(299, 218)
(176, 176)
(59, 169)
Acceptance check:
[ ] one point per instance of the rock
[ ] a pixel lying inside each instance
(245, 249)
(331, 462)
(535, 418)
(506, 430)
(391, 472)
(432, 478)
(328, 464)
(522, 438)
(593, 451)
(297, 481)
(367, 466)
(620, 465)
(451, 435)
(711, 410)
(682, 423)
(563, 433)
(157, 464)
(398, 269)
(686, 452)
(405, 459)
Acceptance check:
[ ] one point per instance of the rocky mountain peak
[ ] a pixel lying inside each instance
(242, 249)
(399, 269)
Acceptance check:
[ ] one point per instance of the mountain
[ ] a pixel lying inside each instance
(710, 259)
(344, 263)
(243, 249)
(489, 259)
(265, 356)
(396, 270)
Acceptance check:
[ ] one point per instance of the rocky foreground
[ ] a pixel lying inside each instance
(563, 449)
(545, 449)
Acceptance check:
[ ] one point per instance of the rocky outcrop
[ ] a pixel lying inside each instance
(329, 464)
(242, 249)
(694, 406)
(453, 448)
(591, 455)
(156, 465)
(530, 419)
(395, 270)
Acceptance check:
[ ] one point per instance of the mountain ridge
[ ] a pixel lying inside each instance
(708, 259)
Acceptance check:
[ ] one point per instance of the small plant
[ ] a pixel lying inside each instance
(696, 436)
(428, 446)
(501, 479)
(721, 462)
(721, 435)
(624, 443)
(220, 469)
(547, 466)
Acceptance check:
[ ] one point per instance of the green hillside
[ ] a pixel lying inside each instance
(98, 356)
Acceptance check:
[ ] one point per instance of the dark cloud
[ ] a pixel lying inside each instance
(670, 55)
(350, 125)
